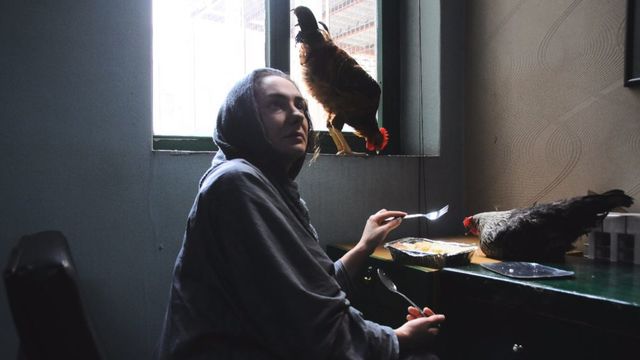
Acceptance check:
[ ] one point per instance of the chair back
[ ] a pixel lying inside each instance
(50, 319)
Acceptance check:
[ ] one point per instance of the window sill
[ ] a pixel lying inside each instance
(198, 144)
(186, 145)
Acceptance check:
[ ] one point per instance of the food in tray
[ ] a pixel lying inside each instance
(431, 247)
(430, 253)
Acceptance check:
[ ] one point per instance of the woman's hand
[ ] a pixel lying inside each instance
(374, 234)
(419, 331)
(414, 313)
(376, 229)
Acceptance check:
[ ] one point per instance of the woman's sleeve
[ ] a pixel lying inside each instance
(343, 277)
(269, 266)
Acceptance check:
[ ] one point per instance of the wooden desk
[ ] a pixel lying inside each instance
(595, 315)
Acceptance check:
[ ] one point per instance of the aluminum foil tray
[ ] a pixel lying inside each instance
(430, 253)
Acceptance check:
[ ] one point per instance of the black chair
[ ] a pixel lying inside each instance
(40, 279)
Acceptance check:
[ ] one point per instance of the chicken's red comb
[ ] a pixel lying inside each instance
(470, 225)
(385, 141)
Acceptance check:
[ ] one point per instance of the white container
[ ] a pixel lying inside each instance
(633, 228)
(614, 225)
(616, 240)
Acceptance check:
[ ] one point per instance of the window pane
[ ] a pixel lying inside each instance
(353, 27)
(200, 49)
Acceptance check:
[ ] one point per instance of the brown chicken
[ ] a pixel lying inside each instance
(345, 90)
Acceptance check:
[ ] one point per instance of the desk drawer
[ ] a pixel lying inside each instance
(501, 320)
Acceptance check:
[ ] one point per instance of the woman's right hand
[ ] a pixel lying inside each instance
(419, 331)
(377, 228)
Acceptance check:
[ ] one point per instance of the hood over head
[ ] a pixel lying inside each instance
(240, 132)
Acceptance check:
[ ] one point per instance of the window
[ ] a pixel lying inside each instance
(202, 47)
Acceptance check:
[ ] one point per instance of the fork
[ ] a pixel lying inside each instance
(433, 215)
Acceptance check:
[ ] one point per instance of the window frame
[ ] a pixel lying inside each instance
(277, 15)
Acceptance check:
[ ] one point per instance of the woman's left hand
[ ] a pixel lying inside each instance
(414, 313)
(377, 228)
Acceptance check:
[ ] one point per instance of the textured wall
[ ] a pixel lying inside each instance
(547, 115)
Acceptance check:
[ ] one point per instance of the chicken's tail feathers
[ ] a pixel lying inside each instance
(614, 199)
(595, 207)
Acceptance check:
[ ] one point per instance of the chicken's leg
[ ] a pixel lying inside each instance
(341, 143)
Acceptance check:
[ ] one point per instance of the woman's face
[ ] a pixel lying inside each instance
(282, 111)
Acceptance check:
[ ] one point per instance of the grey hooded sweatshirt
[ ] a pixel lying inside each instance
(251, 280)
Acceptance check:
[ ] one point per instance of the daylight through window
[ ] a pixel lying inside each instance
(202, 47)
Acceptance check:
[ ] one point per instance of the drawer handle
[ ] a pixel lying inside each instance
(368, 275)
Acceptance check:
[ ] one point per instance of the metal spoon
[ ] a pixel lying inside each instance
(389, 284)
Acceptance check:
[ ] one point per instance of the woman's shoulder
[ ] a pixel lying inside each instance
(238, 167)
(232, 173)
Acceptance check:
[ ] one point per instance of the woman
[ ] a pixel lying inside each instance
(251, 280)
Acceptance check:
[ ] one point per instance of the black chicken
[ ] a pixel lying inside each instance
(544, 231)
